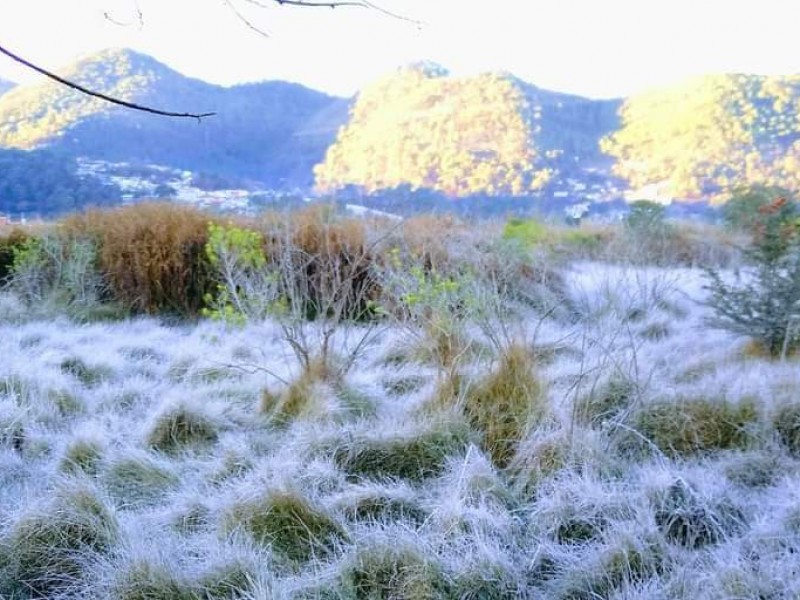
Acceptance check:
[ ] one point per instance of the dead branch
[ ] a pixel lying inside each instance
(100, 95)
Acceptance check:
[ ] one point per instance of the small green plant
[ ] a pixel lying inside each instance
(243, 290)
(287, 522)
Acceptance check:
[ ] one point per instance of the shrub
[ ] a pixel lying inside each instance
(151, 255)
(415, 457)
(687, 427)
(51, 544)
(744, 209)
(506, 404)
(52, 271)
(787, 423)
(528, 232)
(10, 244)
(766, 305)
(288, 523)
(179, 427)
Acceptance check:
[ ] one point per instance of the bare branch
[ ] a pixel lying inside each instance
(247, 22)
(101, 96)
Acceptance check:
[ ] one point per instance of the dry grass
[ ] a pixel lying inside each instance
(152, 255)
(506, 404)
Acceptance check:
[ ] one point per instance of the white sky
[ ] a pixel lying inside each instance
(598, 48)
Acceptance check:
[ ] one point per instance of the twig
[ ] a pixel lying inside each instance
(100, 95)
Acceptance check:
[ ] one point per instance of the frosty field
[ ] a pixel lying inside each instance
(142, 460)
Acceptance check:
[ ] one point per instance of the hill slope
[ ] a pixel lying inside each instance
(711, 134)
(253, 134)
(490, 134)
(5, 86)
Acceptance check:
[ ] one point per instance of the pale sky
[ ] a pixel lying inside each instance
(598, 48)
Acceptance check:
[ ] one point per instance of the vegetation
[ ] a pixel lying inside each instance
(491, 134)
(765, 304)
(710, 135)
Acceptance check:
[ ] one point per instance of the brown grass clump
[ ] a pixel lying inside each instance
(152, 255)
(506, 404)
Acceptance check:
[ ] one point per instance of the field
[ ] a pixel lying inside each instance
(585, 435)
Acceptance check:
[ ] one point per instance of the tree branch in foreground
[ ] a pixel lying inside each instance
(101, 96)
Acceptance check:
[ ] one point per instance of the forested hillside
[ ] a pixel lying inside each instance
(490, 134)
(43, 183)
(253, 134)
(711, 134)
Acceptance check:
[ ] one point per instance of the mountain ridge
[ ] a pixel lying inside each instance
(491, 134)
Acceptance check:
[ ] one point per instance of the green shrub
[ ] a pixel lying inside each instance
(288, 523)
(180, 427)
(687, 427)
(415, 457)
(51, 544)
(766, 305)
(744, 210)
(787, 423)
(528, 232)
(10, 244)
(506, 404)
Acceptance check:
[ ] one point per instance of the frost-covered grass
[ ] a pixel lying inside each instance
(620, 449)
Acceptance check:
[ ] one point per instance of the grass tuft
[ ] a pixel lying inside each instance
(689, 427)
(82, 455)
(88, 375)
(51, 545)
(181, 426)
(288, 523)
(138, 481)
(388, 571)
(787, 423)
(506, 404)
(606, 401)
(687, 520)
(415, 458)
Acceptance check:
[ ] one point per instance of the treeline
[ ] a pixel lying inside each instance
(42, 183)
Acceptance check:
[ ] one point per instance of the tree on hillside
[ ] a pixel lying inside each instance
(229, 3)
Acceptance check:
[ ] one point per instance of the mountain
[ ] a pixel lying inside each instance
(490, 134)
(260, 131)
(709, 134)
(5, 86)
